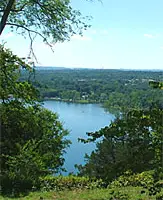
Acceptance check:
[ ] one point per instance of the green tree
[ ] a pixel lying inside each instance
(32, 138)
(133, 142)
(10, 71)
(32, 145)
(52, 20)
(156, 84)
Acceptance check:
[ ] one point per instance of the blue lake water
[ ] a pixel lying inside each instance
(79, 119)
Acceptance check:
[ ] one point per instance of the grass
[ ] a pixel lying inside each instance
(134, 193)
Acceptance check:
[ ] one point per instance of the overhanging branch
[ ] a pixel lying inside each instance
(29, 31)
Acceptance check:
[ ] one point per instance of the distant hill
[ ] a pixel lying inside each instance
(72, 68)
(49, 68)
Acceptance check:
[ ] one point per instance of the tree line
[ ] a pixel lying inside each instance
(114, 88)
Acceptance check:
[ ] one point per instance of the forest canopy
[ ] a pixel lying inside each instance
(115, 89)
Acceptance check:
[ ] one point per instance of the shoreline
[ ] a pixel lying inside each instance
(72, 101)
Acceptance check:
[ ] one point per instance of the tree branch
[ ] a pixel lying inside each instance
(5, 15)
(31, 46)
(30, 37)
(30, 30)
(16, 10)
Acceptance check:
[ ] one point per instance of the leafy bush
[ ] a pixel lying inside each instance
(159, 196)
(155, 188)
(118, 195)
(69, 182)
(144, 179)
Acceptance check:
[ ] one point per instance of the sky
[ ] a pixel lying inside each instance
(124, 34)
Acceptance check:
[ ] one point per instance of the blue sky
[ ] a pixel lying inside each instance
(125, 34)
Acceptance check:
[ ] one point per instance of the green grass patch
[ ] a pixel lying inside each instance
(122, 193)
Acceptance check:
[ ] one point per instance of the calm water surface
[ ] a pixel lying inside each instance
(79, 119)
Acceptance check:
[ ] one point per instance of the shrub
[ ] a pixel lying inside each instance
(144, 179)
(69, 182)
(118, 195)
(159, 196)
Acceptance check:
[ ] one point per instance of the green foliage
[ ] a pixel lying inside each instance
(144, 179)
(32, 138)
(52, 20)
(159, 196)
(69, 183)
(156, 84)
(131, 193)
(10, 71)
(117, 90)
(118, 195)
(32, 143)
(132, 142)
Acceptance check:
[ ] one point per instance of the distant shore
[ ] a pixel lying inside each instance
(82, 101)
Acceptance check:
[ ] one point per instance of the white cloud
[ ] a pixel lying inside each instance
(149, 35)
(81, 38)
(161, 47)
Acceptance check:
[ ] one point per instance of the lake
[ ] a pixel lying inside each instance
(79, 119)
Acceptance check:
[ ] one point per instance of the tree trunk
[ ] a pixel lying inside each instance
(5, 15)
